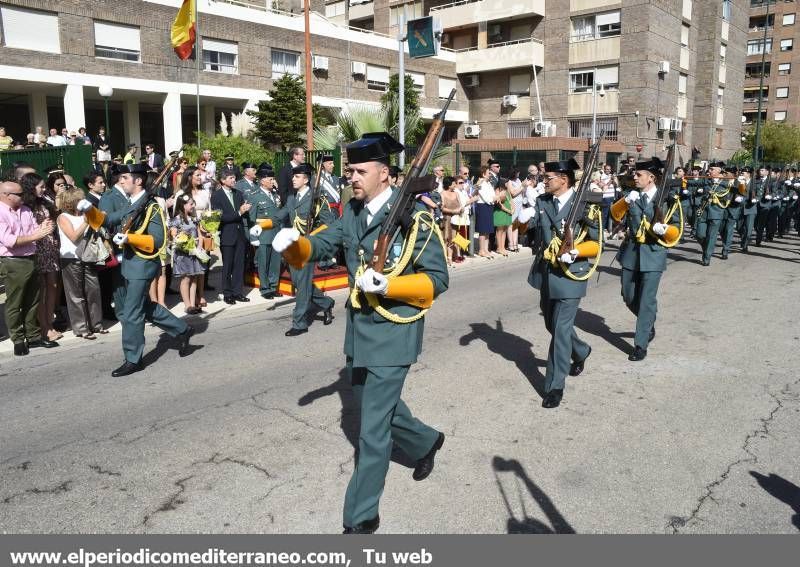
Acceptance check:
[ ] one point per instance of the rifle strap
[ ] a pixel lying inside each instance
(152, 209)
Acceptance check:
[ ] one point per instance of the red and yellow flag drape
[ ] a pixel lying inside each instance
(183, 30)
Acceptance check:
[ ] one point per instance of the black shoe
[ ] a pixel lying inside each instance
(328, 316)
(241, 299)
(127, 368)
(744, 249)
(577, 367)
(293, 332)
(269, 295)
(366, 527)
(20, 349)
(183, 344)
(638, 354)
(706, 263)
(652, 335)
(42, 343)
(230, 301)
(552, 399)
(425, 464)
(724, 256)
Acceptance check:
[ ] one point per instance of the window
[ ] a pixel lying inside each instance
(583, 128)
(684, 35)
(754, 70)
(788, 19)
(116, 42)
(723, 52)
(780, 115)
(682, 80)
(334, 9)
(782, 92)
(220, 56)
(413, 10)
(519, 84)
(445, 86)
(519, 129)
(581, 81)
(419, 81)
(607, 76)
(596, 26)
(751, 94)
(726, 10)
(786, 44)
(784, 68)
(285, 62)
(718, 138)
(18, 25)
(377, 78)
(758, 46)
(720, 96)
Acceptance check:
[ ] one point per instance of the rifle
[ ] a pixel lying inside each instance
(581, 198)
(413, 184)
(315, 190)
(158, 183)
(664, 187)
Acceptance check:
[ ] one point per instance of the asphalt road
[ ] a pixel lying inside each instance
(254, 432)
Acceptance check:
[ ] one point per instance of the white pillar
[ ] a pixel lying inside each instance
(130, 111)
(37, 107)
(209, 126)
(173, 128)
(73, 107)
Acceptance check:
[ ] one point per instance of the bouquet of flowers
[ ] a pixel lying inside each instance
(188, 245)
(210, 221)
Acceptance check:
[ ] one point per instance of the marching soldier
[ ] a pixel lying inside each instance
(142, 246)
(297, 208)
(715, 194)
(561, 280)
(265, 217)
(785, 209)
(643, 254)
(750, 206)
(384, 321)
(330, 185)
(733, 213)
(766, 219)
(685, 195)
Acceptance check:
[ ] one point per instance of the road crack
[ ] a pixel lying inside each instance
(172, 502)
(58, 489)
(216, 460)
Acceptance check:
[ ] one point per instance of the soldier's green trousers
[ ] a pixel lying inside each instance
(748, 224)
(306, 293)
(22, 298)
(728, 228)
(385, 420)
(269, 268)
(707, 232)
(135, 307)
(639, 291)
(565, 345)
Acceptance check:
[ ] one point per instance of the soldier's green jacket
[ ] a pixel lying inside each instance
(649, 256)
(720, 187)
(264, 207)
(298, 208)
(370, 339)
(755, 188)
(115, 204)
(134, 266)
(546, 223)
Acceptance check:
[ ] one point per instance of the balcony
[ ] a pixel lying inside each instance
(592, 50)
(507, 55)
(581, 103)
(466, 12)
(361, 10)
(579, 5)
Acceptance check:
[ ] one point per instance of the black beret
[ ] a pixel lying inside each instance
(563, 166)
(133, 168)
(264, 170)
(229, 156)
(326, 157)
(492, 162)
(374, 146)
(747, 169)
(394, 170)
(653, 165)
(303, 168)
(718, 163)
(248, 165)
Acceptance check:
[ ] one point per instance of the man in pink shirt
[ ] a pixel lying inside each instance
(18, 235)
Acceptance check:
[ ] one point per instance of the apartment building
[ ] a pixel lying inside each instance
(55, 56)
(772, 31)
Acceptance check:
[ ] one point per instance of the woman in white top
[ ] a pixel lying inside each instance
(517, 192)
(461, 221)
(192, 184)
(484, 210)
(81, 286)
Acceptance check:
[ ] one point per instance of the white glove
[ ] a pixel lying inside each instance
(372, 282)
(738, 198)
(284, 238)
(255, 232)
(786, 198)
(754, 200)
(255, 243)
(660, 229)
(120, 239)
(700, 190)
(569, 257)
(794, 197)
(632, 197)
(526, 214)
(768, 197)
(787, 182)
(685, 191)
(84, 205)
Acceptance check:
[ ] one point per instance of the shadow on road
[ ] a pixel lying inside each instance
(782, 489)
(511, 347)
(165, 342)
(596, 325)
(528, 524)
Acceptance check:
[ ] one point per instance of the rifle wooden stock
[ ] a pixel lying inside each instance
(578, 204)
(312, 213)
(142, 203)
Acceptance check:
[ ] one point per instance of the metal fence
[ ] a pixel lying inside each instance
(76, 160)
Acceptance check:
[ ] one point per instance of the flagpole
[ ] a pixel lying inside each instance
(198, 54)
(309, 107)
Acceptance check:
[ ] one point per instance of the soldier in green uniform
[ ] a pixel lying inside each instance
(141, 248)
(785, 208)
(750, 205)
(767, 209)
(265, 217)
(114, 204)
(715, 194)
(295, 213)
(643, 254)
(794, 206)
(561, 280)
(385, 321)
(733, 213)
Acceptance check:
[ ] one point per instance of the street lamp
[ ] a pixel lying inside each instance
(595, 94)
(106, 92)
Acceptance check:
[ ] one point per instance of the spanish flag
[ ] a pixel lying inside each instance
(183, 30)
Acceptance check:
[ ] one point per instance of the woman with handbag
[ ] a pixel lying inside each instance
(81, 286)
(192, 185)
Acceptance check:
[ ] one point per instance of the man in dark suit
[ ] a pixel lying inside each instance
(154, 161)
(230, 166)
(285, 174)
(232, 239)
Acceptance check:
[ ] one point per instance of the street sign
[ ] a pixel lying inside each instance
(422, 38)
(639, 148)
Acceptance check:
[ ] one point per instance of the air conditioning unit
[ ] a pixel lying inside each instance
(358, 68)
(510, 100)
(472, 131)
(663, 67)
(495, 30)
(319, 63)
(664, 123)
(472, 81)
(676, 125)
(545, 129)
